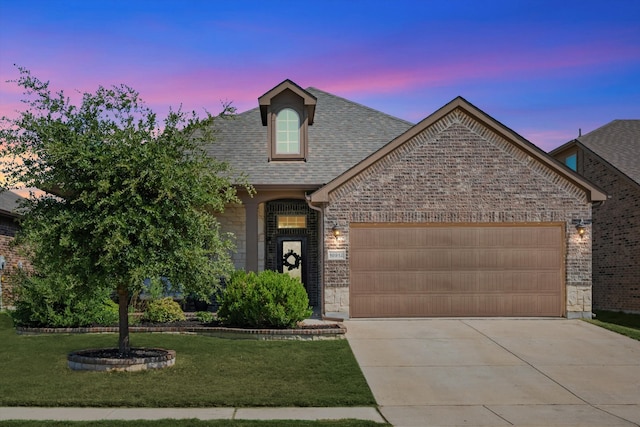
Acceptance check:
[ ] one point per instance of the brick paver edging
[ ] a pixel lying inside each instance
(151, 358)
(306, 333)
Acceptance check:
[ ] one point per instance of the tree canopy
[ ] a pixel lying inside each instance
(128, 197)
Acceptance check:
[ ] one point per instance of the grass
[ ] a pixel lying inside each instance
(623, 323)
(195, 423)
(209, 372)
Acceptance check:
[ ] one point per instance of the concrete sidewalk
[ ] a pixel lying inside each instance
(499, 372)
(94, 414)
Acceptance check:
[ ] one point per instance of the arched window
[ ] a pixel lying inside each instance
(287, 132)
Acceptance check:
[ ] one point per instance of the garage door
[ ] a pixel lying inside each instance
(456, 270)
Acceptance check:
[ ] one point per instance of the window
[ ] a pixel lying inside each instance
(287, 132)
(287, 111)
(292, 221)
(572, 161)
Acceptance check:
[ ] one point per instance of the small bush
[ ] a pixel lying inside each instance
(108, 314)
(163, 310)
(267, 299)
(57, 302)
(204, 316)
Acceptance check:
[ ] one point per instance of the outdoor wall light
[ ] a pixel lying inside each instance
(335, 230)
(581, 225)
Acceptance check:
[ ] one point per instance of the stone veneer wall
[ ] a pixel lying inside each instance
(459, 171)
(616, 238)
(233, 220)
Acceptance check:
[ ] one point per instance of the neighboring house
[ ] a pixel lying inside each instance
(8, 229)
(610, 158)
(454, 216)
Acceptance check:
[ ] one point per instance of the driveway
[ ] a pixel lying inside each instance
(498, 372)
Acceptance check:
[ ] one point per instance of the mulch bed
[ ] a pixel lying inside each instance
(114, 353)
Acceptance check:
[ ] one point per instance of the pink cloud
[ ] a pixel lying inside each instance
(201, 89)
(548, 140)
(385, 76)
(9, 108)
(357, 71)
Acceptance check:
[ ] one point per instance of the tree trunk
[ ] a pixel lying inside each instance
(123, 320)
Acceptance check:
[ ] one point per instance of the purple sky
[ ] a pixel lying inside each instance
(542, 68)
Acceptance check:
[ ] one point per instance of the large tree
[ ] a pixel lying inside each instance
(128, 197)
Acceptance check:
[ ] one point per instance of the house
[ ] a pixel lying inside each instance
(9, 258)
(610, 158)
(456, 215)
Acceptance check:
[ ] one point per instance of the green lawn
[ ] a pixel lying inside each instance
(622, 323)
(209, 372)
(194, 423)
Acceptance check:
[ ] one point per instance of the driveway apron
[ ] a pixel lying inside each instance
(498, 372)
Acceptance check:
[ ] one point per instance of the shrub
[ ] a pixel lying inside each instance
(56, 302)
(267, 299)
(163, 310)
(204, 316)
(108, 314)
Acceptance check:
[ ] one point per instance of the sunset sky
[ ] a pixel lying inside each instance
(542, 68)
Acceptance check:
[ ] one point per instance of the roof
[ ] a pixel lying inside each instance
(9, 203)
(593, 193)
(618, 143)
(343, 133)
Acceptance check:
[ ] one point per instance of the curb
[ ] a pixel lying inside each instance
(95, 414)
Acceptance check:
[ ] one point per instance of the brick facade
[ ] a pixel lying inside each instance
(294, 207)
(459, 171)
(8, 226)
(616, 237)
(8, 230)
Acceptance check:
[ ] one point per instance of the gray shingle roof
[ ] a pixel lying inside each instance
(9, 202)
(343, 134)
(617, 142)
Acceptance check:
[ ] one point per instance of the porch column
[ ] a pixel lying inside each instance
(251, 218)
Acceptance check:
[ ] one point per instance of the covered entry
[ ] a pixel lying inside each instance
(409, 270)
(291, 243)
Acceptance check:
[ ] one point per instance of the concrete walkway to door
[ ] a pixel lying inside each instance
(499, 372)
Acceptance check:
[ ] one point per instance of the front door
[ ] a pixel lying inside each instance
(292, 257)
(291, 225)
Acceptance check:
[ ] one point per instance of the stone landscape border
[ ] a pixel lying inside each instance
(83, 361)
(310, 333)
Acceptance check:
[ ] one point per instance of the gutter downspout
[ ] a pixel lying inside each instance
(320, 251)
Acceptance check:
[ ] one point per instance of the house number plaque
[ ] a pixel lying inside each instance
(336, 254)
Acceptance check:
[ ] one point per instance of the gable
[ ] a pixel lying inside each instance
(289, 90)
(470, 152)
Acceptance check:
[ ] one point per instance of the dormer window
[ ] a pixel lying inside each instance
(287, 132)
(287, 111)
(572, 161)
(570, 158)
